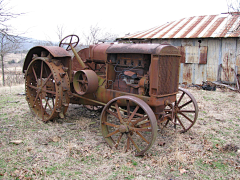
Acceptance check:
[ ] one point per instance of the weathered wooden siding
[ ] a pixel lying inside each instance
(237, 69)
(214, 55)
(228, 59)
(218, 51)
(200, 73)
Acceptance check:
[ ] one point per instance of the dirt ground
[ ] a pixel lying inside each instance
(73, 148)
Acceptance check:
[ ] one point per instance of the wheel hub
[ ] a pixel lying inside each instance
(175, 110)
(123, 128)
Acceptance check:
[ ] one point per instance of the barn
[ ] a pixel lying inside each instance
(209, 45)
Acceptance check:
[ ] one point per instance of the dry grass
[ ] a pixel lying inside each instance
(13, 75)
(73, 148)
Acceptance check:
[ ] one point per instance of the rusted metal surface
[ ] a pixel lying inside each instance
(115, 125)
(185, 104)
(193, 54)
(187, 75)
(200, 73)
(133, 48)
(84, 54)
(214, 59)
(182, 52)
(167, 69)
(228, 60)
(163, 49)
(203, 55)
(98, 52)
(85, 82)
(135, 83)
(211, 40)
(46, 88)
(36, 51)
(223, 25)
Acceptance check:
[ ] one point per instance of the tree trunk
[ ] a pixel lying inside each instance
(3, 78)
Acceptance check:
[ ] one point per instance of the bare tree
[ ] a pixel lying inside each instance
(93, 35)
(108, 37)
(97, 34)
(8, 41)
(60, 31)
(233, 6)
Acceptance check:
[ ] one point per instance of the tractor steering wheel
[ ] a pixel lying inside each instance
(71, 41)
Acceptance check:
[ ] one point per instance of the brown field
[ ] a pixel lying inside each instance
(73, 148)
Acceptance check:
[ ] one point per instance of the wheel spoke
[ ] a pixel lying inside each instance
(47, 104)
(139, 120)
(84, 78)
(174, 116)
(142, 137)
(185, 104)
(119, 138)
(112, 133)
(180, 98)
(128, 108)
(145, 124)
(81, 81)
(166, 123)
(34, 73)
(35, 99)
(110, 124)
(41, 72)
(85, 87)
(31, 86)
(47, 79)
(133, 114)
(133, 143)
(53, 101)
(180, 122)
(187, 111)
(118, 112)
(50, 92)
(168, 110)
(142, 129)
(112, 113)
(186, 117)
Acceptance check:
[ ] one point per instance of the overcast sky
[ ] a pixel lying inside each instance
(115, 16)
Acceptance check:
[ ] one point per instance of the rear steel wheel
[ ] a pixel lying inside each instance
(46, 86)
(128, 122)
(183, 112)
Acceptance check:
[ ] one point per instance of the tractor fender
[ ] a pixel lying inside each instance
(55, 51)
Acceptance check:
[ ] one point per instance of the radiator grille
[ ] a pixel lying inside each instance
(168, 75)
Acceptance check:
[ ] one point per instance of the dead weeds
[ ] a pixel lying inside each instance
(74, 148)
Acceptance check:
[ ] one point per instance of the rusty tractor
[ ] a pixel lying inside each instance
(135, 85)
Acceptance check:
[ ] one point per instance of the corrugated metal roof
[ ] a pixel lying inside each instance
(224, 25)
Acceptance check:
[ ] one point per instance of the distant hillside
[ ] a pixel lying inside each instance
(12, 58)
(29, 43)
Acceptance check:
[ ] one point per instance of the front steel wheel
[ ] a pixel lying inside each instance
(183, 112)
(46, 86)
(128, 122)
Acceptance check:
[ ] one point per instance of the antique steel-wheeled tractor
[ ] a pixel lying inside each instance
(135, 84)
